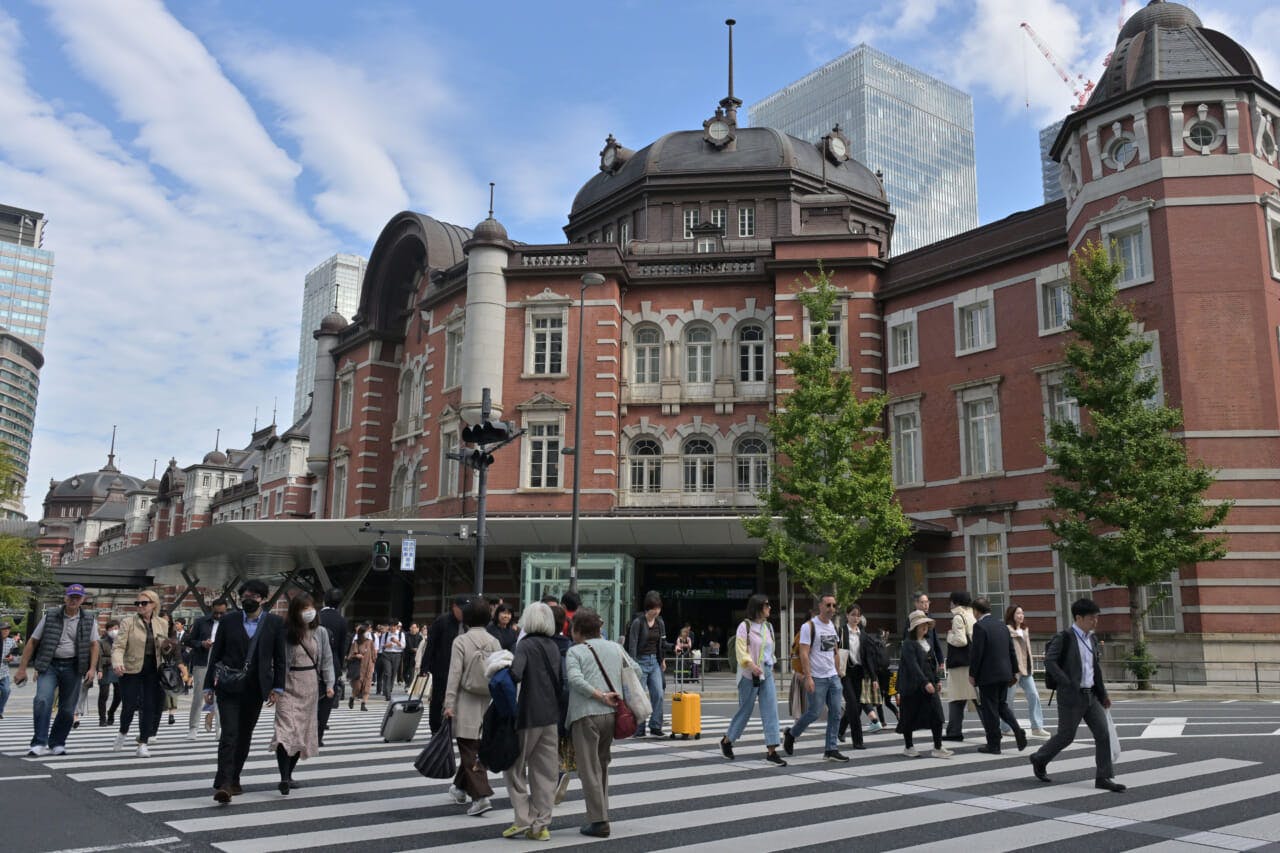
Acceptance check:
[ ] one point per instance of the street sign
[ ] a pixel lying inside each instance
(408, 554)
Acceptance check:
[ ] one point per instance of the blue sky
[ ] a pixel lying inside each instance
(195, 159)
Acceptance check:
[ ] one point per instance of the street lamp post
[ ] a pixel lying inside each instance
(590, 279)
(488, 436)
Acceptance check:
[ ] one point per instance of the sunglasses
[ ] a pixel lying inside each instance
(142, 602)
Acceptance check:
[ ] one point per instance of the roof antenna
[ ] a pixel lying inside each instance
(154, 464)
(491, 199)
(275, 404)
(111, 454)
(255, 418)
(217, 440)
(335, 296)
(730, 103)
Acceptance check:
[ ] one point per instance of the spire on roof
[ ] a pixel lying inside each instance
(111, 454)
(729, 103)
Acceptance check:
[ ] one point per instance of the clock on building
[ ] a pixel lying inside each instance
(836, 146)
(719, 130)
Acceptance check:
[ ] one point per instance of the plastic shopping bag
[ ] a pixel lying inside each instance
(436, 759)
(1115, 737)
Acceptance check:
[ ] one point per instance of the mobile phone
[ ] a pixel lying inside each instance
(756, 680)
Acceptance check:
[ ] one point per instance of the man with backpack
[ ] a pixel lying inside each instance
(819, 642)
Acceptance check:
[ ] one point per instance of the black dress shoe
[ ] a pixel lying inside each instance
(788, 741)
(222, 795)
(284, 787)
(989, 750)
(1020, 737)
(1110, 785)
(1038, 769)
(235, 789)
(598, 829)
(726, 747)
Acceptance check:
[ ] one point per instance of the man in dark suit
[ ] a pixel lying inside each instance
(340, 641)
(435, 661)
(1073, 662)
(253, 640)
(199, 640)
(991, 669)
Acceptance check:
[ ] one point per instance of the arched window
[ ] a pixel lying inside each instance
(648, 356)
(751, 354)
(646, 466)
(697, 352)
(699, 466)
(752, 466)
(405, 408)
(409, 491)
(397, 489)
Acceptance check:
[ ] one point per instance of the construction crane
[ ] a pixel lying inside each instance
(1079, 85)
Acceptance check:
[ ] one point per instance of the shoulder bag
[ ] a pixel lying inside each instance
(230, 680)
(473, 679)
(624, 722)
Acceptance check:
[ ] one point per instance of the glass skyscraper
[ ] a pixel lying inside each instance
(915, 129)
(1049, 168)
(334, 285)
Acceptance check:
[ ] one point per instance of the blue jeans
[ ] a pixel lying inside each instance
(651, 673)
(747, 695)
(830, 691)
(62, 677)
(1028, 685)
(4, 688)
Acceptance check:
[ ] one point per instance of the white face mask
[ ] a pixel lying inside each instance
(113, 633)
(308, 616)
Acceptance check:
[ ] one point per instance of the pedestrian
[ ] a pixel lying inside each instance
(393, 654)
(198, 640)
(310, 676)
(251, 642)
(63, 650)
(179, 634)
(1015, 621)
(500, 628)
(570, 603)
(755, 651)
(992, 665)
(920, 601)
(136, 658)
(646, 637)
(1073, 661)
(435, 661)
(958, 690)
(818, 644)
(108, 681)
(339, 633)
(6, 658)
(593, 665)
(409, 660)
(363, 657)
(567, 763)
(465, 700)
(531, 781)
(859, 684)
(918, 704)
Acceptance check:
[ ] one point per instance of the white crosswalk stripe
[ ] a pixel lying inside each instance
(667, 794)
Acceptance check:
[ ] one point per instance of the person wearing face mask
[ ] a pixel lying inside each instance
(253, 642)
(108, 681)
(363, 657)
(310, 660)
(136, 657)
(199, 640)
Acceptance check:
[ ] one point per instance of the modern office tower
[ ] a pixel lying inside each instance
(20, 364)
(915, 129)
(332, 286)
(26, 274)
(1049, 168)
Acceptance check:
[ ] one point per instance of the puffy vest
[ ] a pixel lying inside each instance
(52, 633)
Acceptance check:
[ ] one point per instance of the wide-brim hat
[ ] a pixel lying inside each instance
(916, 619)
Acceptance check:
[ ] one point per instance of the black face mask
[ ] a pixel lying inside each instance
(250, 605)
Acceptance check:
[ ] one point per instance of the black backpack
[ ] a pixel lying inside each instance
(877, 654)
(499, 743)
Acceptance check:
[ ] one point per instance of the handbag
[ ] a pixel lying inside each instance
(635, 694)
(624, 721)
(232, 680)
(436, 759)
(171, 677)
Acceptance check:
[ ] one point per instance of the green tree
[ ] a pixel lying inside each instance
(1127, 503)
(830, 514)
(23, 574)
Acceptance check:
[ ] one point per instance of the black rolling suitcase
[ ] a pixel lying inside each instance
(400, 722)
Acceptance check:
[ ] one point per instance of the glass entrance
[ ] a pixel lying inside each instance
(606, 583)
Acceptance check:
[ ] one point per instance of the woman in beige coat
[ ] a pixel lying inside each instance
(957, 690)
(141, 645)
(466, 698)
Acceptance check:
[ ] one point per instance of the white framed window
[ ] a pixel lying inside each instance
(346, 401)
(975, 318)
(409, 490)
(1059, 405)
(990, 577)
(1149, 366)
(450, 469)
(718, 218)
(542, 443)
(908, 446)
(279, 501)
(834, 331)
(624, 233)
(338, 506)
(607, 236)
(1121, 151)
(1157, 599)
(647, 356)
(1273, 238)
(979, 415)
(1054, 305)
(752, 465)
(453, 336)
(1074, 587)
(751, 353)
(692, 218)
(705, 245)
(699, 458)
(1128, 239)
(546, 343)
(645, 463)
(697, 355)
(904, 350)
(406, 396)
(746, 222)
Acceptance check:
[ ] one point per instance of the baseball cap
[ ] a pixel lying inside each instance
(75, 589)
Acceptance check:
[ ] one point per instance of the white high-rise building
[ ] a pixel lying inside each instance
(334, 285)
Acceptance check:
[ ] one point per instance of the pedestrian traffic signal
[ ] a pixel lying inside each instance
(381, 555)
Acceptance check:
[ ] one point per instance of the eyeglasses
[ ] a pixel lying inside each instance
(142, 603)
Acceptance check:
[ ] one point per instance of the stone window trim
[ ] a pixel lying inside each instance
(1265, 143)
(1126, 220)
(545, 310)
(1047, 281)
(1121, 149)
(646, 361)
(974, 391)
(1204, 134)
(455, 334)
(962, 307)
(746, 221)
(450, 469)
(753, 352)
(346, 399)
(551, 459)
(978, 539)
(1271, 210)
(899, 359)
(902, 406)
(698, 365)
(838, 323)
(1051, 375)
(644, 466)
(752, 457)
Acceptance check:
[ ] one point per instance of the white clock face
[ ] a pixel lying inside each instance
(838, 147)
(610, 154)
(718, 130)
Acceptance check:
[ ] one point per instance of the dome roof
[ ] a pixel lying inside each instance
(491, 230)
(215, 457)
(92, 485)
(686, 152)
(334, 322)
(1166, 42)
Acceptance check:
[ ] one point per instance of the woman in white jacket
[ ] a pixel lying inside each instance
(957, 690)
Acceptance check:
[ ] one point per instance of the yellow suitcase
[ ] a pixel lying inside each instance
(686, 715)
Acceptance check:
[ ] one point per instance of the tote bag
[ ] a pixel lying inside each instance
(436, 759)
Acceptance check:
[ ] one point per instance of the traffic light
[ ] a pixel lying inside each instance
(480, 459)
(487, 432)
(381, 555)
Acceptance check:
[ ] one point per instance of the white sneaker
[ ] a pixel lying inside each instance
(58, 750)
(1039, 733)
(38, 750)
(911, 752)
(143, 752)
(459, 795)
(119, 744)
(191, 735)
(942, 753)
(479, 807)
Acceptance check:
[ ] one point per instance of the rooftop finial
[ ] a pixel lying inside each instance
(255, 418)
(217, 439)
(730, 103)
(111, 454)
(491, 199)
(275, 405)
(154, 464)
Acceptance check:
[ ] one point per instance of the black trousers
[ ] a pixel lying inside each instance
(1081, 704)
(435, 711)
(993, 706)
(324, 707)
(955, 718)
(143, 696)
(239, 716)
(852, 717)
(103, 690)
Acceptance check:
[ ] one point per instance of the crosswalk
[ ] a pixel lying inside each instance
(668, 795)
